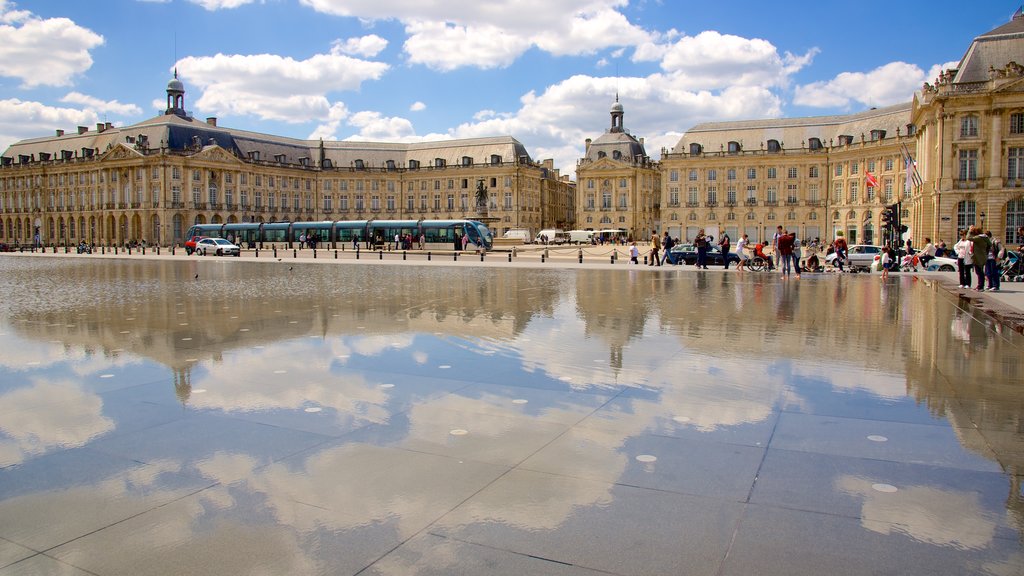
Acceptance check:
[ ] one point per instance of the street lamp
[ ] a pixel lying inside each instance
(983, 220)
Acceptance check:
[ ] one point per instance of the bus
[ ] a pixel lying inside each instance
(437, 234)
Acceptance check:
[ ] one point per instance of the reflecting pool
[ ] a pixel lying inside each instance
(227, 417)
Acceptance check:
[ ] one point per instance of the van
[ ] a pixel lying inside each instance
(581, 236)
(553, 236)
(518, 234)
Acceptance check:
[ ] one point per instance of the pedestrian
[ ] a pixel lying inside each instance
(775, 245)
(741, 251)
(927, 253)
(655, 246)
(784, 249)
(796, 255)
(886, 261)
(423, 240)
(465, 242)
(701, 242)
(993, 269)
(634, 254)
(962, 249)
(666, 245)
(839, 247)
(980, 245)
(724, 244)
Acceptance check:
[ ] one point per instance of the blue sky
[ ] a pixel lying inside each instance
(543, 71)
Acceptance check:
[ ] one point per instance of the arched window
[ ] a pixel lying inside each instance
(812, 216)
(734, 147)
(616, 155)
(360, 165)
(1014, 220)
(966, 211)
(601, 154)
(814, 143)
(696, 149)
(774, 146)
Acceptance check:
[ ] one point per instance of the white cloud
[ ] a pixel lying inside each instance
(417, 107)
(43, 52)
(494, 34)
(212, 5)
(328, 130)
(889, 84)
(711, 60)
(20, 120)
(95, 104)
(366, 46)
(273, 87)
(376, 127)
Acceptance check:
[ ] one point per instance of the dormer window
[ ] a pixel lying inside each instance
(734, 147)
(359, 164)
(696, 149)
(495, 159)
(877, 135)
(814, 143)
(439, 162)
(774, 146)
(616, 155)
(414, 164)
(390, 165)
(467, 161)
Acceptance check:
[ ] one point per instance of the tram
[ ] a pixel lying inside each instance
(437, 234)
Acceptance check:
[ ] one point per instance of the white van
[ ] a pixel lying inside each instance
(553, 235)
(518, 234)
(581, 236)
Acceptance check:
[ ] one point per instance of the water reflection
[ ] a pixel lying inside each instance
(573, 374)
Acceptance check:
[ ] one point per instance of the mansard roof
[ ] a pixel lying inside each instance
(994, 49)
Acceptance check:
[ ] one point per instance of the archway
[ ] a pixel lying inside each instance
(122, 229)
(108, 230)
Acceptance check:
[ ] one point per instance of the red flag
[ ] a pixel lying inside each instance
(871, 179)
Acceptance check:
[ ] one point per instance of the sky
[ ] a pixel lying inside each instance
(545, 72)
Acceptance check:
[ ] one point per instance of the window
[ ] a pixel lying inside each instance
(1015, 164)
(730, 195)
(692, 177)
(839, 169)
(813, 193)
(327, 203)
(622, 182)
(751, 194)
(968, 164)
(773, 173)
(965, 214)
(731, 174)
(673, 197)
(1014, 220)
(772, 195)
(712, 175)
(751, 173)
(854, 189)
(812, 172)
(854, 167)
(889, 163)
(673, 175)
(712, 195)
(1016, 124)
(969, 127)
(791, 172)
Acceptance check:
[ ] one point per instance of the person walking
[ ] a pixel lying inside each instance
(655, 246)
(980, 245)
(962, 249)
(724, 244)
(886, 261)
(796, 255)
(634, 254)
(741, 251)
(666, 245)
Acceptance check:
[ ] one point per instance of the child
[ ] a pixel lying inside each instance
(634, 254)
(886, 262)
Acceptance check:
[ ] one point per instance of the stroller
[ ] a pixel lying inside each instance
(1012, 267)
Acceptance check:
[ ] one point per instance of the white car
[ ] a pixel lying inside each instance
(217, 247)
(941, 264)
(858, 256)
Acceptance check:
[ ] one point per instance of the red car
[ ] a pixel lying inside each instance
(190, 244)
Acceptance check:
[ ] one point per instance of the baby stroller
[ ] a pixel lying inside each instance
(909, 263)
(1012, 267)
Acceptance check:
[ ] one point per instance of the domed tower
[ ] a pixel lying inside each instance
(175, 96)
(617, 114)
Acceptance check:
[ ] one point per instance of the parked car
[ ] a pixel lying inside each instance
(190, 244)
(942, 264)
(858, 256)
(218, 247)
(687, 254)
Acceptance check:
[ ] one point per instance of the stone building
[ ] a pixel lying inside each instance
(971, 140)
(960, 140)
(150, 181)
(618, 185)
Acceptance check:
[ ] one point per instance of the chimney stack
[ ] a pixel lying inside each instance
(83, 129)
(60, 132)
(212, 120)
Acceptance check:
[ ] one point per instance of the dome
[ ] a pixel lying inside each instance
(617, 107)
(175, 85)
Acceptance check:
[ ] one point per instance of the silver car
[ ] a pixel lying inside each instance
(858, 256)
(217, 247)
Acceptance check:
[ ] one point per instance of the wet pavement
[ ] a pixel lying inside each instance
(237, 417)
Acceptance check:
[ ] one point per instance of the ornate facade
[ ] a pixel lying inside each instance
(971, 140)
(618, 185)
(151, 180)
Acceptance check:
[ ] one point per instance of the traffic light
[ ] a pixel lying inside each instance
(888, 218)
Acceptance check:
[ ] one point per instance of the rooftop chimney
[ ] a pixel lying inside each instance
(60, 132)
(108, 126)
(83, 129)
(212, 120)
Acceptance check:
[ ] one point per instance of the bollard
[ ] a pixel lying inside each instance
(336, 253)
(403, 254)
(581, 255)
(143, 250)
(295, 253)
(613, 259)
(115, 250)
(257, 252)
(645, 259)
(314, 253)
(381, 255)
(428, 256)
(129, 250)
(275, 251)
(542, 258)
(157, 249)
(510, 254)
(482, 256)
(456, 254)
(357, 253)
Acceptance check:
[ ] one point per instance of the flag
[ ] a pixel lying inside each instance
(910, 165)
(872, 182)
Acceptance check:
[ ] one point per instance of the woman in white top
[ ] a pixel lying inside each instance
(741, 251)
(963, 259)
